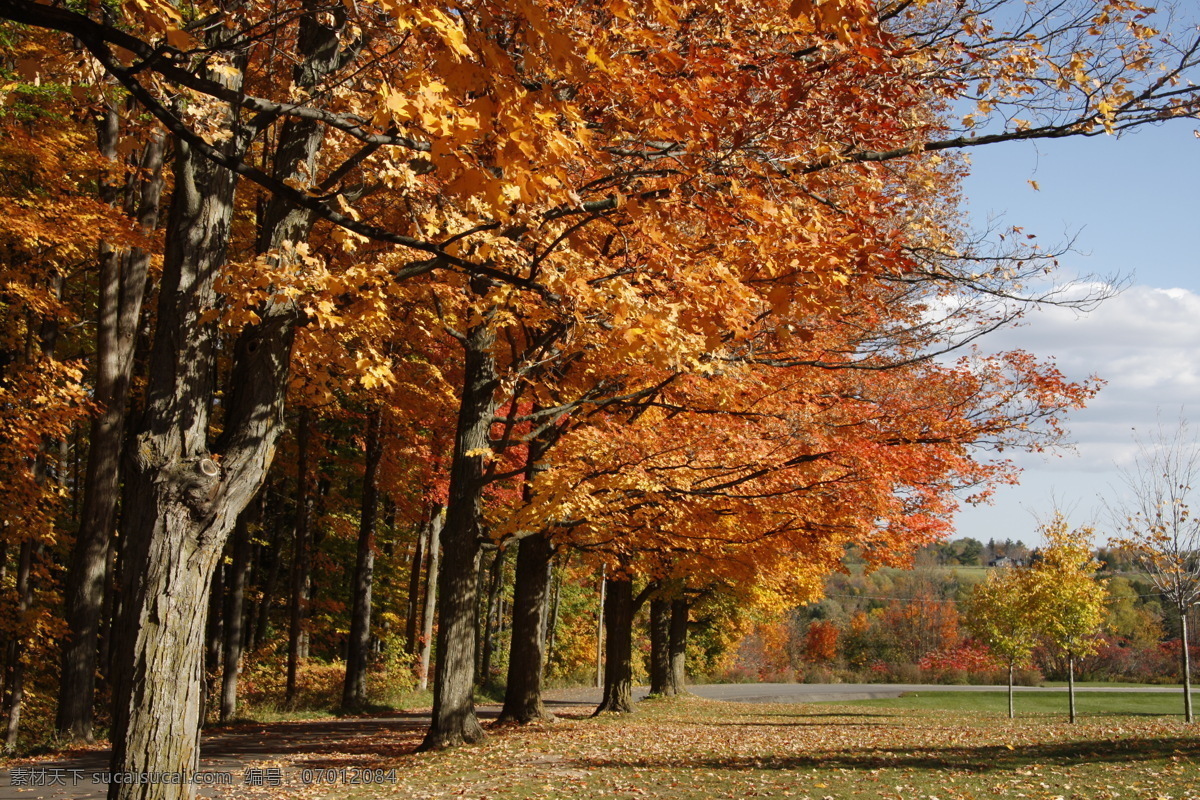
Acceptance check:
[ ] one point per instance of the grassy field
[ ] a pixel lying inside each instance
(693, 749)
(1040, 704)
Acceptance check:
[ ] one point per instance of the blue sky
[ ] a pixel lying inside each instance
(1132, 205)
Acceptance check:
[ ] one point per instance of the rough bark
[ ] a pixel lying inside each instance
(183, 501)
(122, 282)
(618, 661)
(677, 675)
(454, 720)
(660, 648)
(527, 654)
(354, 692)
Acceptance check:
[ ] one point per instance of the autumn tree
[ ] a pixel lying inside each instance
(1000, 613)
(673, 176)
(1157, 526)
(1067, 600)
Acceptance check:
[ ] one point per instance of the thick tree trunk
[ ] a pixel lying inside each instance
(298, 603)
(437, 522)
(411, 642)
(235, 601)
(183, 501)
(454, 721)
(122, 285)
(354, 692)
(618, 662)
(660, 648)
(526, 657)
(677, 674)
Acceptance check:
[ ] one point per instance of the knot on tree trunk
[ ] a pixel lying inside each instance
(196, 483)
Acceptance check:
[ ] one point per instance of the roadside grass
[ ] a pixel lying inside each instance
(688, 749)
(1163, 704)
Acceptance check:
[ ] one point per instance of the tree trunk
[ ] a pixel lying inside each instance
(183, 501)
(15, 668)
(552, 622)
(526, 657)
(262, 614)
(454, 721)
(618, 664)
(437, 521)
(1071, 684)
(660, 648)
(298, 604)
(214, 644)
(412, 643)
(677, 674)
(491, 619)
(235, 601)
(354, 693)
(600, 629)
(1186, 666)
(1012, 714)
(122, 284)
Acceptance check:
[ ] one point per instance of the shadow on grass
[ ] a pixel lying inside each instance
(981, 759)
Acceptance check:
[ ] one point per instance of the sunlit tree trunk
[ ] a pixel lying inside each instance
(454, 720)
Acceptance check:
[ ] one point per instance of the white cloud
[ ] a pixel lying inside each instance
(1145, 343)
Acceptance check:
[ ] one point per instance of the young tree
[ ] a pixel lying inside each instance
(1159, 529)
(1067, 598)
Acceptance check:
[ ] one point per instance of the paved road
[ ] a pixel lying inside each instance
(323, 745)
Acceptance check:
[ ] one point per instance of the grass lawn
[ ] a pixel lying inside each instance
(694, 749)
(1040, 704)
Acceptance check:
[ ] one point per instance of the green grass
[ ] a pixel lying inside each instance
(1039, 703)
(698, 749)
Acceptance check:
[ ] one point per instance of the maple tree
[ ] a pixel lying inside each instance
(703, 234)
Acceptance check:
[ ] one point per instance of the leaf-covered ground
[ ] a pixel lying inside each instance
(700, 749)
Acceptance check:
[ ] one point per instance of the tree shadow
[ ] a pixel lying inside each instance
(979, 759)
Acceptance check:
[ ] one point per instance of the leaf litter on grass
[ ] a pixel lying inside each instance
(693, 748)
